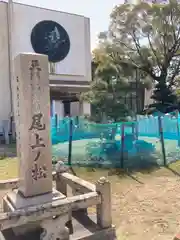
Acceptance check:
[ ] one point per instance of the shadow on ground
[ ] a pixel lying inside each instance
(175, 172)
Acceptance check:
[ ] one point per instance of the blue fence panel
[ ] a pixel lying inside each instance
(137, 143)
(170, 131)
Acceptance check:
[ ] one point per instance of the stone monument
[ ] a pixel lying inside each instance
(33, 204)
(32, 108)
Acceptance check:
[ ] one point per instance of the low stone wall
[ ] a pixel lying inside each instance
(79, 194)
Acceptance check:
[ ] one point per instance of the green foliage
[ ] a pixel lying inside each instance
(143, 38)
(161, 93)
(108, 88)
(178, 94)
(147, 37)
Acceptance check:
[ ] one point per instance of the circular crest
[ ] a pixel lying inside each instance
(50, 38)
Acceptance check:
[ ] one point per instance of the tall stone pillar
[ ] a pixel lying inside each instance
(32, 118)
(32, 104)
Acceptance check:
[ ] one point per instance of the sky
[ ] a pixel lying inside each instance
(97, 10)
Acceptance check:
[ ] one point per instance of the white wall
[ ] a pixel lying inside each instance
(75, 109)
(5, 104)
(78, 61)
(76, 66)
(59, 108)
(85, 108)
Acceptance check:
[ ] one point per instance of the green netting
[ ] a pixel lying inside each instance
(125, 144)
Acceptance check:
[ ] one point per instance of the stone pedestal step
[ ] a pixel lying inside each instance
(84, 228)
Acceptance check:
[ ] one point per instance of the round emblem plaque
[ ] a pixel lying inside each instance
(50, 38)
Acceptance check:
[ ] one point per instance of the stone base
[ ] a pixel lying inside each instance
(88, 230)
(18, 201)
(14, 201)
(85, 228)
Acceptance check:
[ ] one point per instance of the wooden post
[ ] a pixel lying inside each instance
(104, 217)
(162, 139)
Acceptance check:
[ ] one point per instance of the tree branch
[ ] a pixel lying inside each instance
(137, 44)
(154, 52)
(176, 71)
(147, 66)
(128, 47)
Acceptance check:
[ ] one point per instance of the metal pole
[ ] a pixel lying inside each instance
(56, 121)
(70, 142)
(178, 133)
(137, 109)
(122, 146)
(162, 139)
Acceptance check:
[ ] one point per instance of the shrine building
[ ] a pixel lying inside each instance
(64, 37)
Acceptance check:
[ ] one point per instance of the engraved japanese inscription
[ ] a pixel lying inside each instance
(32, 111)
(18, 117)
(36, 122)
(38, 171)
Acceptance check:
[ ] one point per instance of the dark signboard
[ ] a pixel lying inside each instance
(50, 38)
